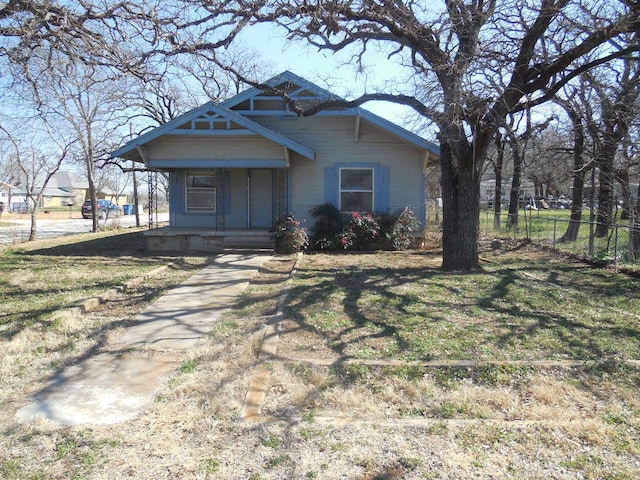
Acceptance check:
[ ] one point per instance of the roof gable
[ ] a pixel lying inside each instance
(212, 119)
(255, 101)
(232, 117)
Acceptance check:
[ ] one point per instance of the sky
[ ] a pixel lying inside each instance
(335, 72)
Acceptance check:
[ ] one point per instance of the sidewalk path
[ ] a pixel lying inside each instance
(111, 387)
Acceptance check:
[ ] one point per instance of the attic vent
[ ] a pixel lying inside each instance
(246, 105)
(268, 104)
(201, 125)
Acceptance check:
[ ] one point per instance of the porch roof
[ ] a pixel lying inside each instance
(209, 120)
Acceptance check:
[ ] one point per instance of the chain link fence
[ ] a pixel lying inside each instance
(619, 247)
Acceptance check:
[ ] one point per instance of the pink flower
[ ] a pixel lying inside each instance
(343, 240)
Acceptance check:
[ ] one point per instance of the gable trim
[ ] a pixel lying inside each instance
(170, 129)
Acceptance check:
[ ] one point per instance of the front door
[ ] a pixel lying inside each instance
(260, 198)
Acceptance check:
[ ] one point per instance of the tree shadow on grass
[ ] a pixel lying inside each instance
(502, 311)
(117, 245)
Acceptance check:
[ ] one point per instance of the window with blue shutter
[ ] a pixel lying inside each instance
(357, 187)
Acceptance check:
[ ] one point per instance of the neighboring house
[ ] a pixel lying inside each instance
(13, 198)
(236, 166)
(65, 188)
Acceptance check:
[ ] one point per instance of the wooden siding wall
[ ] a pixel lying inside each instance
(333, 139)
(214, 148)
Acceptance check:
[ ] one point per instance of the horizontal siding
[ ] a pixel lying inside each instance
(208, 148)
(333, 140)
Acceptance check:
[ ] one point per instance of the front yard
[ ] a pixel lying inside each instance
(386, 368)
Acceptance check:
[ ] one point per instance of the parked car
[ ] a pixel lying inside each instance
(106, 208)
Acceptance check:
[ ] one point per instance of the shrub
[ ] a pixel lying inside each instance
(403, 229)
(327, 229)
(361, 232)
(289, 236)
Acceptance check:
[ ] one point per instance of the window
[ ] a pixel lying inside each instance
(356, 189)
(201, 193)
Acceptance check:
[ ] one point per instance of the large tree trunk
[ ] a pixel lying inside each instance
(461, 213)
(571, 235)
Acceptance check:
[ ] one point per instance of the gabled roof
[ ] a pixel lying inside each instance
(298, 88)
(237, 110)
(304, 90)
(210, 112)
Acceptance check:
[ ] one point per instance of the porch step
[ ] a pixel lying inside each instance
(249, 240)
(169, 239)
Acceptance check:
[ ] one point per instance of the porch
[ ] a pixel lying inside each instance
(182, 239)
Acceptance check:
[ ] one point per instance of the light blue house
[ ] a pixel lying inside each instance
(235, 166)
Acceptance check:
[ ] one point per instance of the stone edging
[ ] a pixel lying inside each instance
(259, 386)
(90, 304)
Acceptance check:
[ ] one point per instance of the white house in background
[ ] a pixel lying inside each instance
(12, 197)
(235, 166)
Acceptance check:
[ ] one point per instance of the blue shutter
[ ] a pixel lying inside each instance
(331, 185)
(382, 189)
(177, 192)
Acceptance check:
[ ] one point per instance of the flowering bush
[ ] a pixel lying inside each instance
(403, 230)
(361, 232)
(289, 236)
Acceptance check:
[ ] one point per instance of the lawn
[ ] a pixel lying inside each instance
(386, 368)
(546, 227)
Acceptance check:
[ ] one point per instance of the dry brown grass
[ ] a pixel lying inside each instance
(344, 421)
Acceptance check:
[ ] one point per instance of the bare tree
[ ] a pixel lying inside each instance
(518, 143)
(576, 105)
(478, 63)
(35, 165)
(618, 93)
(84, 100)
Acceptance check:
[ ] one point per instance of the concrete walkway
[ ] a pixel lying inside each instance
(110, 388)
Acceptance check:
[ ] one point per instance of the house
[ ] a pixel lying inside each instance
(12, 198)
(235, 166)
(65, 187)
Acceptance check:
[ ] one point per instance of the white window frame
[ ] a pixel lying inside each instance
(372, 191)
(212, 190)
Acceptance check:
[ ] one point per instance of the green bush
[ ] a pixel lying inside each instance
(327, 229)
(362, 231)
(289, 236)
